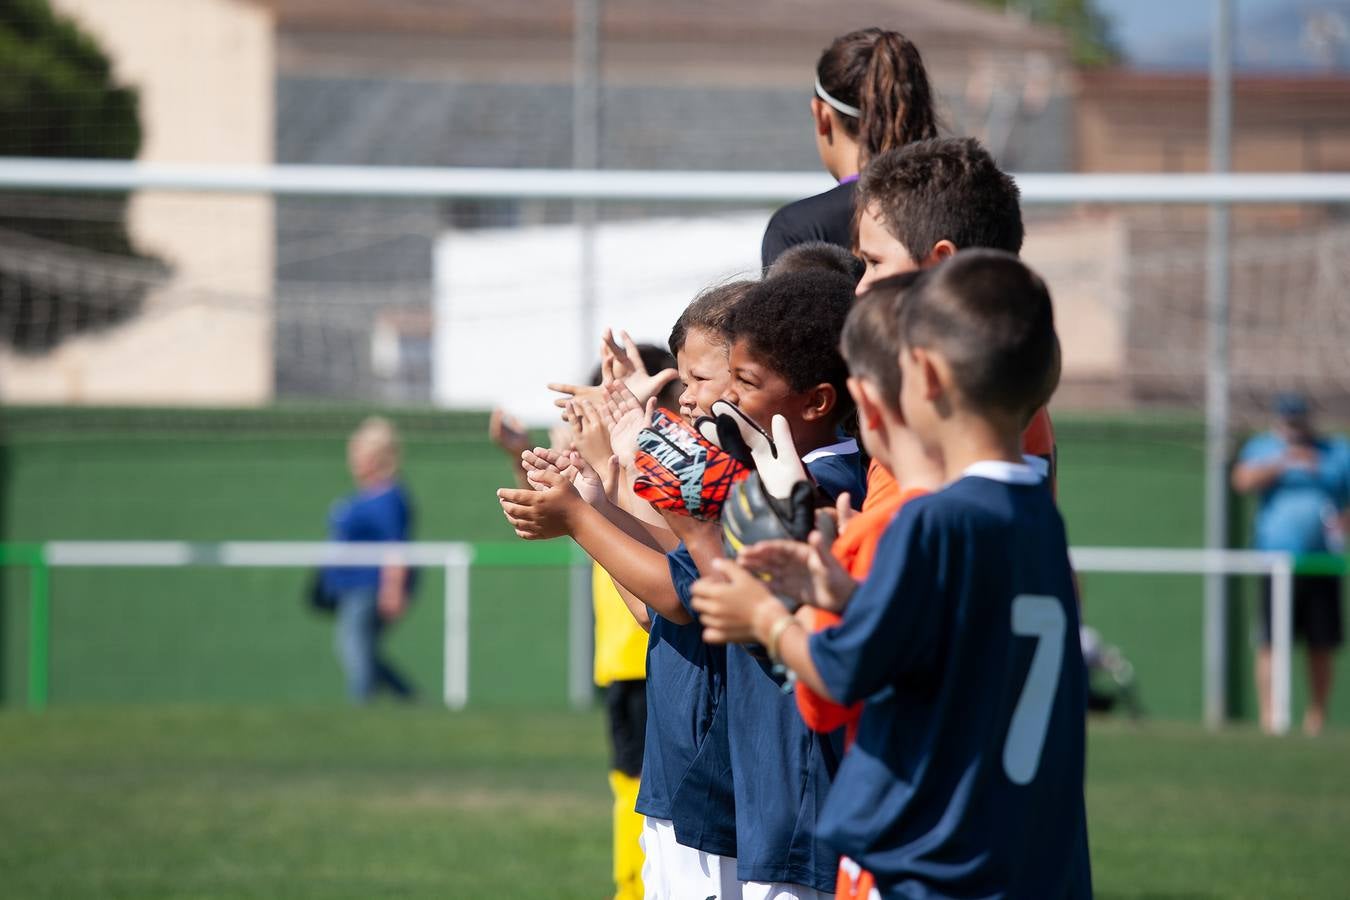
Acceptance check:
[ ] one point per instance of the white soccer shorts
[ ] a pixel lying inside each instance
(672, 871)
(761, 890)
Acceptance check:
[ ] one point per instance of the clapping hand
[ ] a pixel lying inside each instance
(625, 416)
(806, 573)
(620, 363)
(623, 363)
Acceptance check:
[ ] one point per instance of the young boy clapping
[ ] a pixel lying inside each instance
(967, 775)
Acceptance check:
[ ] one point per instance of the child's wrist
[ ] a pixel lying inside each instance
(765, 618)
(773, 640)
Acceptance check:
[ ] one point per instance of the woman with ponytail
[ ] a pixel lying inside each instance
(871, 95)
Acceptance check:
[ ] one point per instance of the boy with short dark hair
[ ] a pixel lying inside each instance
(923, 202)
(816, 256)
(784, 360)
(870, 346)
(919, 205)
(967, 775)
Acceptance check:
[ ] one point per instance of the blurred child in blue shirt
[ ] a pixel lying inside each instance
(368, 598)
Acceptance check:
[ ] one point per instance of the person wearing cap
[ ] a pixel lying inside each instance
(1302, 478)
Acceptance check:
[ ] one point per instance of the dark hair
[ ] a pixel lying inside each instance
(791, 323)
(870, 342)
(881, 73)
(708, 312)
(816, 256)
(992, 318)
(943, 189)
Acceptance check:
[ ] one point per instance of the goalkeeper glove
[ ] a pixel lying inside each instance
(679, 470)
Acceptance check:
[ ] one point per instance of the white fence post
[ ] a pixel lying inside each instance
(1281, 641)
(580, 635)
(456, 651)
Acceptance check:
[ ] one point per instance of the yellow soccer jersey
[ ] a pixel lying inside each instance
(620, 643)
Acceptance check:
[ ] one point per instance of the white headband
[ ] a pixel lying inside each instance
(838, 105)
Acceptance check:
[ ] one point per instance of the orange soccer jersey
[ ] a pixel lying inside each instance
(855, 549)
(1037, 440)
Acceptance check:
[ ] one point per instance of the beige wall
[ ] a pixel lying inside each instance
(1083, 260)
(205, 73)
(1157, 123)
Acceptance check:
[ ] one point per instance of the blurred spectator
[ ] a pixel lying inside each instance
(1303, 481)
(370, 598)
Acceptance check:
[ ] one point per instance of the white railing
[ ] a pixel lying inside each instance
(457, 559)
(632, 185)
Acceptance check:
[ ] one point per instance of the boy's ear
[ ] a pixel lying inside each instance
(869, 401)
(943, 249)
(819, 402)
(933, 372)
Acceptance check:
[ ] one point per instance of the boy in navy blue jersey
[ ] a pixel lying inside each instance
(686, 797)
(967, 775)
(785, 361)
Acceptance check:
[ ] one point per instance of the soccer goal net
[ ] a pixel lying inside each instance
(198, 384)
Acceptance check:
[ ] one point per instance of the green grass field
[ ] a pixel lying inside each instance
(213, 802)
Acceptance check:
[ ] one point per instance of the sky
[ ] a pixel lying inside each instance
(1270, 33)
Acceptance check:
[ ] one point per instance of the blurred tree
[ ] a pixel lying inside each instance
(1091, 42)
(67, 264)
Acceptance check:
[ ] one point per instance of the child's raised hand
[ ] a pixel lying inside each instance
(590, 435)
(614, 362)
(541, 459)
(575, 392)
(807, 573)
(508, 433)
(545, 512)
(844, 513)
(560, 438)
(733, 606)
(625, 417)
(623, 362)
(594, 485)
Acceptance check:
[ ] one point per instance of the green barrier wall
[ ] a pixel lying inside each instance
(242, 635)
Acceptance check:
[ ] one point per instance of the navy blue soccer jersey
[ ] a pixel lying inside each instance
(782, 768)
(686, 766)
(966, 779)
(839, 469)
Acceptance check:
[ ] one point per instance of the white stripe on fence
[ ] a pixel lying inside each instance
(457, 558)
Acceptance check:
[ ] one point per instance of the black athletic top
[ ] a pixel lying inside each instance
(825, 217)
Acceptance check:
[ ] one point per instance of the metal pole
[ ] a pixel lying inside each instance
(586, 155)
(580, 635)
(456, 638)
(1281, 641)
(39, 632)
(1216, 380)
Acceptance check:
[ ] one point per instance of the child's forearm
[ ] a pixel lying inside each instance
(702, 539)
(633, 504)
(636, 607)
(643, 511)
(632, 564)
(632, 526)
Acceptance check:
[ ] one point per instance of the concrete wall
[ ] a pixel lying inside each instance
(205, 73)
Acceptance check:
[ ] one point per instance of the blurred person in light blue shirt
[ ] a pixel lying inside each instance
(369, 598)
(1303, 481)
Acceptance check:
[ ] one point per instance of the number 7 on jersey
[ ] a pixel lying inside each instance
(1041, 617)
